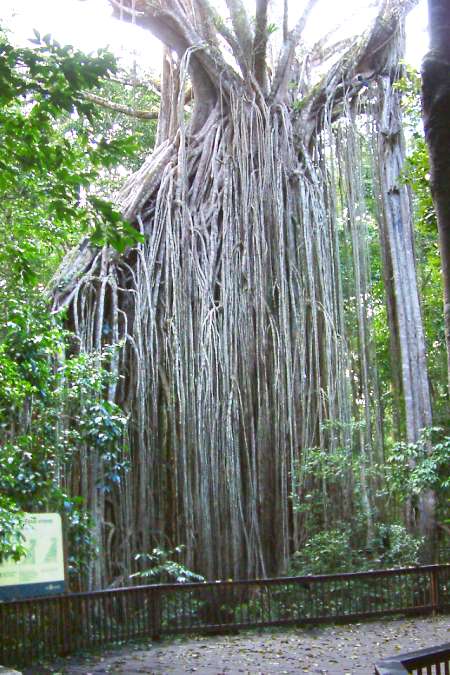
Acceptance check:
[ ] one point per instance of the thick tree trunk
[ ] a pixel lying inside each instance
(398, 233)
(234, 356)
(436, 116)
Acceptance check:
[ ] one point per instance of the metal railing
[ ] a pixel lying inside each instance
(431, 661)
(39, 628)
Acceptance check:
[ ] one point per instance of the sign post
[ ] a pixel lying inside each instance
(41, 571)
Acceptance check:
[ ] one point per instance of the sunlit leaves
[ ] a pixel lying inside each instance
(414, 467)
(160, 566)
(11, 523)
(51, 156)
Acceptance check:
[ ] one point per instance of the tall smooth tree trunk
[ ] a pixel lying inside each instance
(436, 117)
(397, 229)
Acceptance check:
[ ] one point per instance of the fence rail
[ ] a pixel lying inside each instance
(55, 626)
(431, 661)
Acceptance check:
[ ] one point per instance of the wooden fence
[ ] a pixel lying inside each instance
(39, 628)
(431, 661)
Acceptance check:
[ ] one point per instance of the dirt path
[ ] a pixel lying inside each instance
(338, 650)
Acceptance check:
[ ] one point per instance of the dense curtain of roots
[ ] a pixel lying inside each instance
(235, 350)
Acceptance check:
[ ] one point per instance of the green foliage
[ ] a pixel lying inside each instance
(27, 439)
(50, 156)
(325, 552)
(330, 466)
(333, 551)
(100, 424)
(318, 465)
(50, 408)
(395, 547)
(132, 90)
(415, 467)
(298, 105)
(57, 153)
(163, 568)
(11, 524)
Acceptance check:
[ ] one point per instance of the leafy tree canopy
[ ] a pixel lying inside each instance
(56, 148)
(46, 172)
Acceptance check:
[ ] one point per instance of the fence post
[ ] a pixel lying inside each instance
(434, 581)
(3, 634)
(155, 614)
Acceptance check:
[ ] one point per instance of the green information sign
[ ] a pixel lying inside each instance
(41, 572)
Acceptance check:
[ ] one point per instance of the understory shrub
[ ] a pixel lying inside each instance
(331, 551)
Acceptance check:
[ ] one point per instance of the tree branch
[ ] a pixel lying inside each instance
(120, 108)
(132, 13)
(281, 78)
(285, 19)
(241, 26)
(152, 83)
(151, 20)
(174, 28)
(260, 44)
(169, 95)
(172, 23)
(321, 52)
(207, 17)
(357, 64)
(227, 35)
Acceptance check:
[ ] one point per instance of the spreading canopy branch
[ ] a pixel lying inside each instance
(197, 27)
(280, 81)
(360, 63)
(173, 25)
(119, 107)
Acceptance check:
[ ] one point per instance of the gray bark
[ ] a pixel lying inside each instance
(235, 353)
(436, 115)
(397, 216)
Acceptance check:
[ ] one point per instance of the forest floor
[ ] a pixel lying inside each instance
(339, 650)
